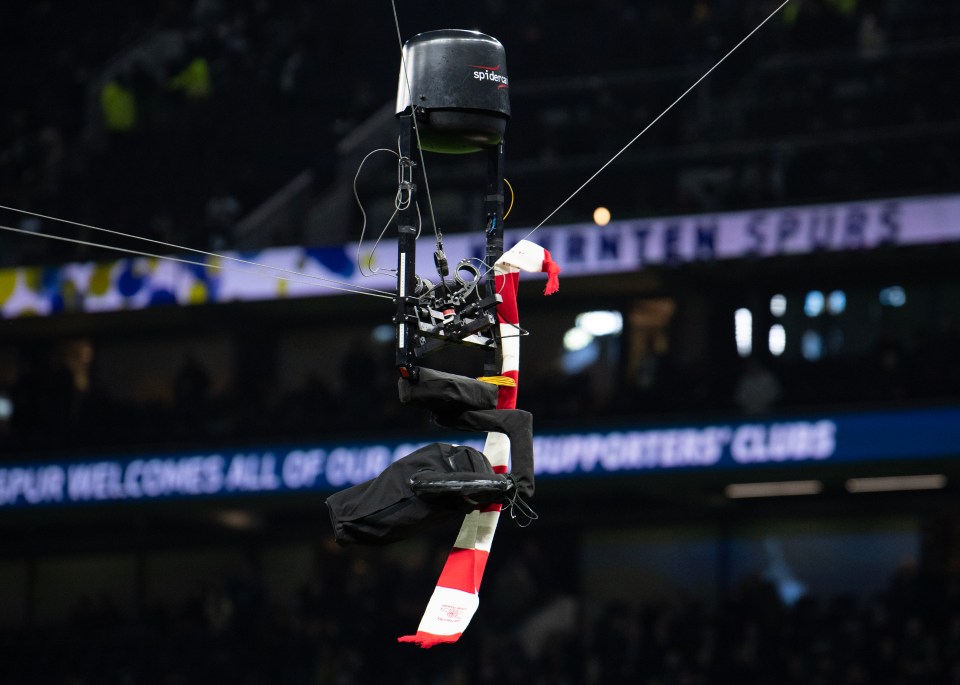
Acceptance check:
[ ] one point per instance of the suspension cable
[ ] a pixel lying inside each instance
(416, 127)
(344, 285)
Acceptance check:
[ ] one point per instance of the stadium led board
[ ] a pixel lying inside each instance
(583, 250)
(740, 446)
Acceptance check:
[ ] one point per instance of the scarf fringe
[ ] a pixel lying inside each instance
(552, 269)
(428, 640)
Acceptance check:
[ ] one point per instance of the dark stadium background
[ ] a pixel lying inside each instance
(659, 578)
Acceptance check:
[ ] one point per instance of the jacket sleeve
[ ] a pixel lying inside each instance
(517, 424)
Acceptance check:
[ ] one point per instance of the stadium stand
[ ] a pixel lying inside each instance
(179, 121)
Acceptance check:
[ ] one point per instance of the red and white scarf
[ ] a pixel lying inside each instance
(456, 596)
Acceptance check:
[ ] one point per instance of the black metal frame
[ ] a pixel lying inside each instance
(428, 318)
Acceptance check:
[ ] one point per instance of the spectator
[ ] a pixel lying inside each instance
(119, 105)
(757, 390)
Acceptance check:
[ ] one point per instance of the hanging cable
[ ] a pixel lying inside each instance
(76, 241)
(659, 116)
(416, 129)
(648, 126)
(404, 188)
(398, 204)
(513, 196)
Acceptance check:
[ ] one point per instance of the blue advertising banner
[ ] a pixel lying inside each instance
(583, 249)
(839, 438)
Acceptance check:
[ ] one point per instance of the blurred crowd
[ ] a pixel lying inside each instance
(906, 635)
(54, 397)
(902, 366)
(174, 121)
(181, 119)
(534, 627)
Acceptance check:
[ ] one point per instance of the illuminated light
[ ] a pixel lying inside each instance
(778, 305)
(601, 216)
(576, 339)
(384, 333)
(936, 481)
(836, 302)
(237, 519)
(811, 346)
(743, 331)
(813, 303)
(580, 351)
(894, 296)
(791, 488)
(777, 339)
(600, 322)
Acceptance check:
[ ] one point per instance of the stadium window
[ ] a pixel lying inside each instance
(811, 346)
(743, 331)
(777, 339)
(582, 343)
(893, 296)
(649, 324)
(576, 339)
(778, 305)
(836, 302)
(813, 303)
(600, 323)
(580, 350)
